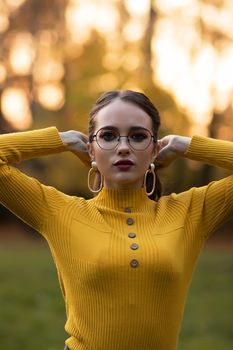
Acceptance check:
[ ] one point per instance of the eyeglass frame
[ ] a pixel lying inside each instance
(110, 149)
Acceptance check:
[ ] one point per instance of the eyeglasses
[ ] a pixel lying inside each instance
(139, 139)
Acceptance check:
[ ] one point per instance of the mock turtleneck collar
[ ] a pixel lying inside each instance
(119, 199)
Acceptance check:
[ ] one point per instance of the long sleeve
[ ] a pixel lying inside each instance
(211, 151)
(211, 205)
(23, 195)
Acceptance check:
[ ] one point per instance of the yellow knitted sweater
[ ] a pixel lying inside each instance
(124, 262)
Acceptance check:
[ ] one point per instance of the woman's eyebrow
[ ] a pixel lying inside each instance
(109, 127)
(136, 127)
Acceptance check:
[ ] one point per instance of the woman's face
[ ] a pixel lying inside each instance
(127, 119)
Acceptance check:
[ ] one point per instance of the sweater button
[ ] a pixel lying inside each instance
(134, 263)
(127, 210)
(130, 221)
(131, 235)
(134, 246)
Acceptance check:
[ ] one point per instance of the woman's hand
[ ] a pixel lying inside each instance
(76, 142)
(171, 147)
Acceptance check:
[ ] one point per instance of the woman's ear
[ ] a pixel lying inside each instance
(156, 150)
(158, 147)
(90, 150)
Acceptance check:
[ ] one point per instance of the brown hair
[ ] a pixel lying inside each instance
(146, 105)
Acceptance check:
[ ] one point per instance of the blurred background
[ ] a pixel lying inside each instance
(56, 58)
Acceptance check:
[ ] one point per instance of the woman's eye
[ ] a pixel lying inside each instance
(138, 137)
(108, 136)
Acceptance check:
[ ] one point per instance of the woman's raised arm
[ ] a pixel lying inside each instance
(25, 196)
(211, 205)
(204, 149)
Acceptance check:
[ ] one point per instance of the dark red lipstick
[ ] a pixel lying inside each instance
(124, 164)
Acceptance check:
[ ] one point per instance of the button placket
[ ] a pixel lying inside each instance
(134, 246)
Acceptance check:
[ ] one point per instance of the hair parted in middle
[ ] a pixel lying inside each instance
(142, 101)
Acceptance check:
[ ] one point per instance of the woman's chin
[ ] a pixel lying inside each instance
(124, 181)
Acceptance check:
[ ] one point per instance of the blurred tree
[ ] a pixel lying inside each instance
(220, 125)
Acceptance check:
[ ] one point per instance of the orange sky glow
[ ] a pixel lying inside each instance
(196, 73)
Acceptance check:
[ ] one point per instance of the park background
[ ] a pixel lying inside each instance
(56, 58)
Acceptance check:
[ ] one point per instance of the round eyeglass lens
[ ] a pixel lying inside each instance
(107, 139)
(139, 139)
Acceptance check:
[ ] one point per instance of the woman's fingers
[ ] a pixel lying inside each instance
(83, 137)
(171, 147)
(165, 157)
(166, 153)
(76, 142)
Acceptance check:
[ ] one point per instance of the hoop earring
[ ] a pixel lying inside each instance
(152, 171)
(95, 170)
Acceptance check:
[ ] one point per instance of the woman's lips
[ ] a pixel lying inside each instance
(124, 164)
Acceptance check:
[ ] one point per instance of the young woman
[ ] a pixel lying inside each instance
(124, 258)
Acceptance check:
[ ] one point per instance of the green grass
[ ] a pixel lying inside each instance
(32, 313)
(208, 318)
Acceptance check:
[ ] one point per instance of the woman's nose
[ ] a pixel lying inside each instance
(123, 146)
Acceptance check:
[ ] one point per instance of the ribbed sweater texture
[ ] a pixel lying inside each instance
(124, 262)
